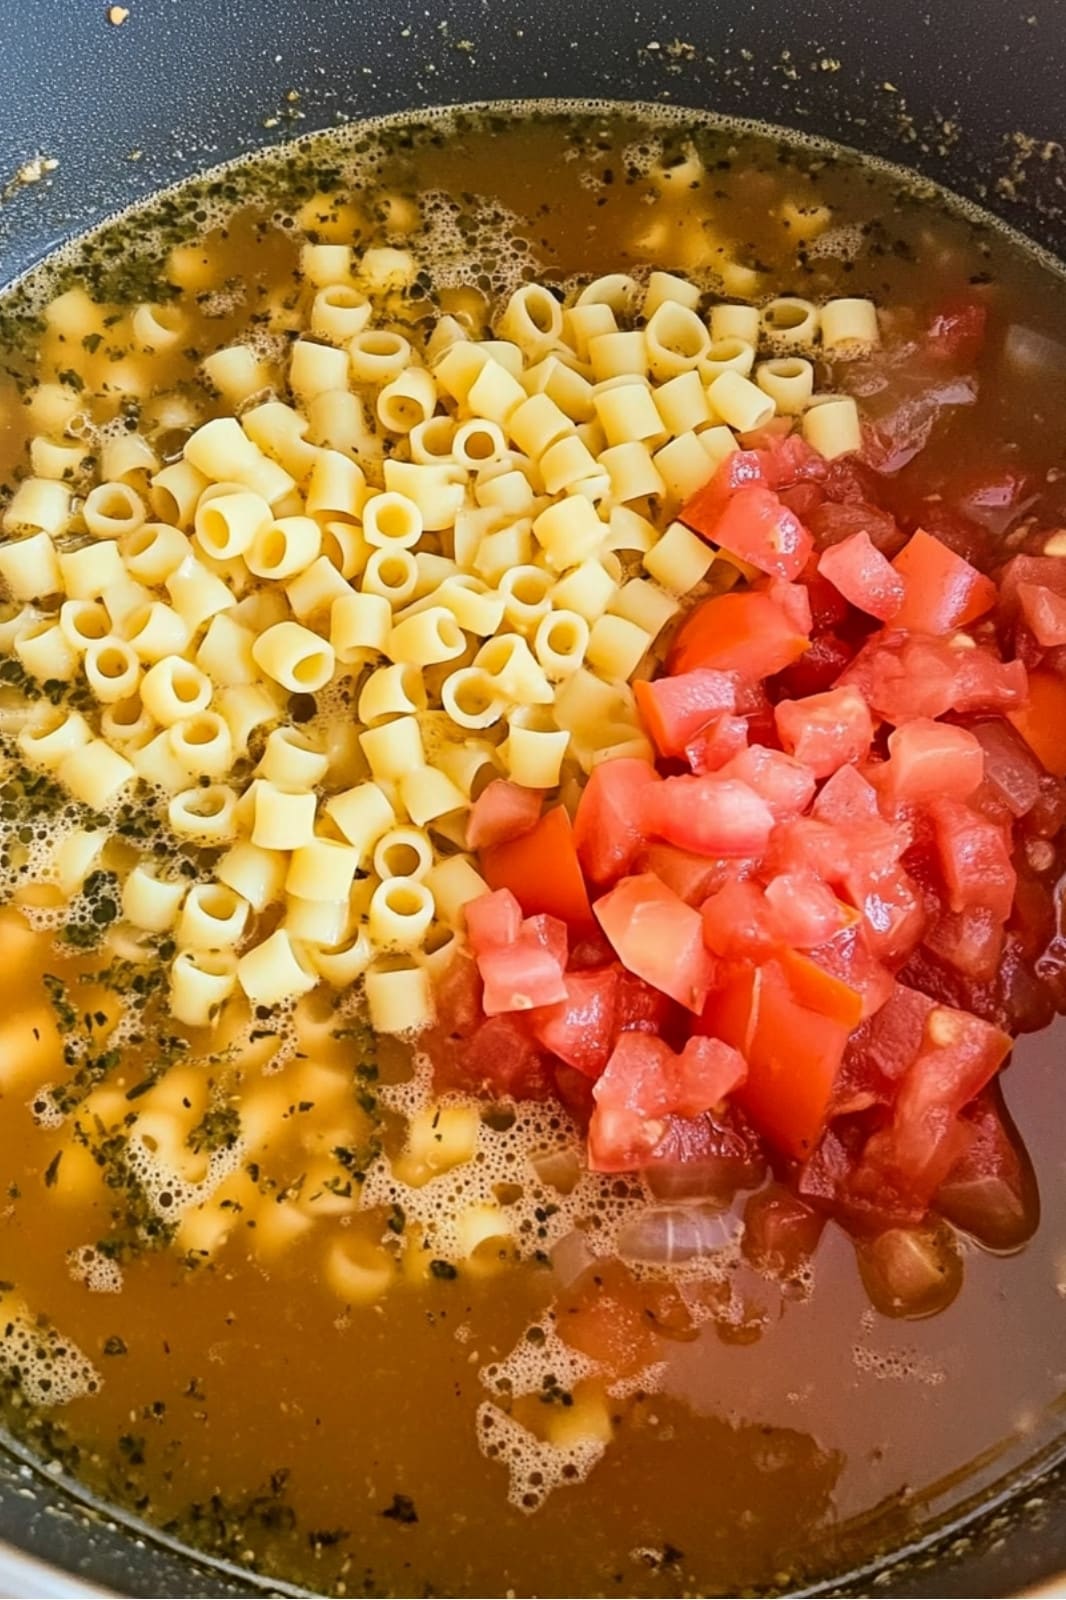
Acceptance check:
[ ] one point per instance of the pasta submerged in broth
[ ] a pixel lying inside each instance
(342, 507)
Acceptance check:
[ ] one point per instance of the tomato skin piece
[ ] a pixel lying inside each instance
(785, 784)
(607, 830)
(863, 576)
(942, 591)
(580, 1029)
(713, 816)
(1041, 721)
(928, 759)
(956, 331)
(826, 731)
(974, 859)
(1044, 612)
(502, 811)
(657, 937)
(747, 633)
(755, 525)
(542, 870)
(674, 709)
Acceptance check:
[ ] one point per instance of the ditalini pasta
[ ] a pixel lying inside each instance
(316, 630)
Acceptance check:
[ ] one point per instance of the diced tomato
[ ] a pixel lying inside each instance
(721, 738)
(928, 758)
(607, 829)
(793, 1054)
(819, 668)
(527, 972)
(785, 784)
(788, 459)
(863, 576)
(580, 1029)
(737, 923)
(706, 1158)
(674, 709)
(492, 919)
(836, 521)
(991, 1190)
(502, 811)
(1045, 613)
(971, 940)
(747, 633)
(804, 911)
(847, 955)
(795, 601)
(642, 1008)
(826, 731)
(658, 937)
(755, 525)
(942, 591)
(714, 816)
(992, 497)
(829, 609)
(910, 1271)
(781, 1232)
(959, 1054)
(816, 988)
(457, 995)
(689, 875)
(501, 1058)
(643, 1082)
(617, 1321)
(903, 676)
(974, 859)
(542, 870)
(1041, 721)
(1040, 572)
(846, 797)
(892, 905)
(739, 470)
(956, 331)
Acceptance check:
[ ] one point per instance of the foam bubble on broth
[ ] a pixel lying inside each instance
(534, 1466)
(99, 1273)
(166, 1191)
(538, 1215)
(50, 1369)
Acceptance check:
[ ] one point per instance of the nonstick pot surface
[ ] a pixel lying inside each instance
(100, 105)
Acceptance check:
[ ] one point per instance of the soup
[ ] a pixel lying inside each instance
(384, 526)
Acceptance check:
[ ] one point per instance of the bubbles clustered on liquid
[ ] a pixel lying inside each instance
(97, 1272)
(534, 1466)
(49, 1369)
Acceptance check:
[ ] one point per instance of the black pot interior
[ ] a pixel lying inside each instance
(127, 100)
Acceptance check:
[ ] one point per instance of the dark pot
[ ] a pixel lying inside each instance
(969, 92)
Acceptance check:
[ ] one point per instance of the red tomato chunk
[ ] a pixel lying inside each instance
(707, 965)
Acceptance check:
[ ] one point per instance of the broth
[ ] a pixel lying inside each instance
(222, 1385)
